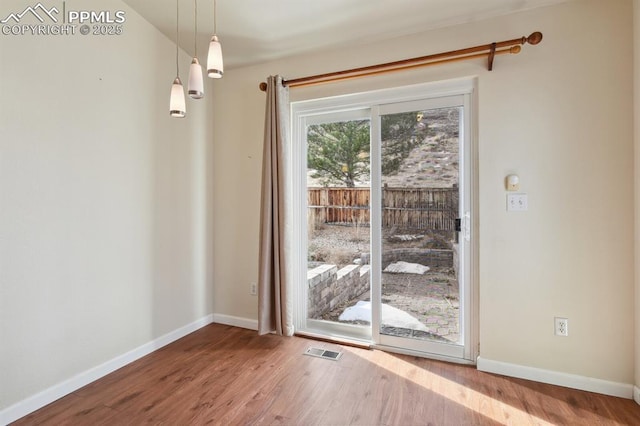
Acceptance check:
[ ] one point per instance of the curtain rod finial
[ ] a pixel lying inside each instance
(263, 86)
(535, 38)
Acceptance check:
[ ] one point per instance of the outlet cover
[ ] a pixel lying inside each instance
(561, 326)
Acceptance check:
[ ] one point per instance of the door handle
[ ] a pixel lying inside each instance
(466, 229)
(463, 225)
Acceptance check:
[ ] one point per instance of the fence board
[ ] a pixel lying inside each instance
(406, 208)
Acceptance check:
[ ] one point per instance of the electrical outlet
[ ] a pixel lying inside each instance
(253, 289)
(562, 326)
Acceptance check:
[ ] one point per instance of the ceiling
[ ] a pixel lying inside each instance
(253, 31)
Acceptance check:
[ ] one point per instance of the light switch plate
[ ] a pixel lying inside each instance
(517, 202)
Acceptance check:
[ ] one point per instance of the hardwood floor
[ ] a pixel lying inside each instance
(228, 376)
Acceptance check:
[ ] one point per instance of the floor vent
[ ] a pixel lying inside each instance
(323, 353)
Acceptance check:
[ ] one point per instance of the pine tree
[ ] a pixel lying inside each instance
(339, 152)
(400, 134)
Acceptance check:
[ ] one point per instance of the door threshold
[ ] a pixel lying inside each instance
(363, 344)
(356, 343)
(420, 354)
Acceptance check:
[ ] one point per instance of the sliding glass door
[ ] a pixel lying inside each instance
(383, 197)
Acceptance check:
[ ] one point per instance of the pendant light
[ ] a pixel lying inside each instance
(215, 67)
(196, 85)
(177, 106)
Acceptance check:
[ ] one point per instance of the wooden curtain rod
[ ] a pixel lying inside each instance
(489, 50)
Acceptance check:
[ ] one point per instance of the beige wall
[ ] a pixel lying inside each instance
(636, 74)
(559, 114)
(104, 232)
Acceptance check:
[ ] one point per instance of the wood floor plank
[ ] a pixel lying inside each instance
(222, 375)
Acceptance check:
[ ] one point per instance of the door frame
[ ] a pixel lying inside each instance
(300, 110)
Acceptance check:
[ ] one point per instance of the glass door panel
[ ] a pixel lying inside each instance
(419, 259)
(338, 223)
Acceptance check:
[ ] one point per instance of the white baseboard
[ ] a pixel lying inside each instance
(636, 394)
(250, 324)
(574, 381)
(47, 396)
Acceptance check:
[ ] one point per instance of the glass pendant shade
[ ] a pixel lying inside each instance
(177, 105)
(196, 85)
(215, 67)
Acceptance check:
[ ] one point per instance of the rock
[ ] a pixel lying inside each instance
(401, 267)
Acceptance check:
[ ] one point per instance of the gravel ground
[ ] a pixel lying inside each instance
(338, 245)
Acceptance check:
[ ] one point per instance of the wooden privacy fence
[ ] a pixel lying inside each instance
(406, 208)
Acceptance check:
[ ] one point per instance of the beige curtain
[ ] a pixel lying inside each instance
(274, 304)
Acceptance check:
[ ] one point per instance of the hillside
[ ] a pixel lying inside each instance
(432, 163)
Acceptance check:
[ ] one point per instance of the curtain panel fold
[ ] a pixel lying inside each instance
(274, 296)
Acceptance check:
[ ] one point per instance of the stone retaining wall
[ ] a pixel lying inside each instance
(330, 287)
(426, 257)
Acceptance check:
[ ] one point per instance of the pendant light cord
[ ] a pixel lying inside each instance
(215, 16)
(195, 36)
(177, 39)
